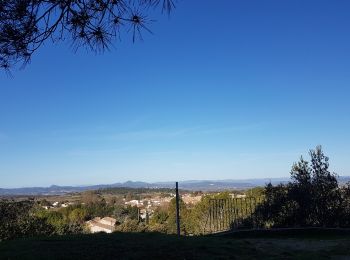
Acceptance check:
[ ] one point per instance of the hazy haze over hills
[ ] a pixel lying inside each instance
(204, 185)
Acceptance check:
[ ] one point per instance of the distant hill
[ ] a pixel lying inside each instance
(203, 185)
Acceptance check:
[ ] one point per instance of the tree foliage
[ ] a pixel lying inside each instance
(25, 25)
(78, 215)
(17, 220)
(122, 213)
(312, 198)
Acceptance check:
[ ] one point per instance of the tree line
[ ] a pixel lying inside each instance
(313, 198)
(29, 218)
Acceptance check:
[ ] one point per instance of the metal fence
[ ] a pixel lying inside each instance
(230, 214)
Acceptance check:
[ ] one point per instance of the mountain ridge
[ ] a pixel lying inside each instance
(204, 185)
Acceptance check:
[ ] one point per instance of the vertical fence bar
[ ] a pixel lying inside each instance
(236, 213)
(251, 211)
(210, 215)
(177, 209)
(223, 214)
(230, 213)
(255, 221)
(242, 212)
(226, 213)
(219, 215)
(218, 211)
(214, 215)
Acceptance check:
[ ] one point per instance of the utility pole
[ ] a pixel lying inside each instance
(177, 209)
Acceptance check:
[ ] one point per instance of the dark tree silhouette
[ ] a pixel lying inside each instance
(312, 198)
(26, 24)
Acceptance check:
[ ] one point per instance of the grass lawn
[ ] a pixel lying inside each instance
(160, 246)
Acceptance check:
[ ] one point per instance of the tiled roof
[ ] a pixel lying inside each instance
(97, 224)
(109, 219)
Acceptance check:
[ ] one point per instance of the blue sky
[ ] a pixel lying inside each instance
(233, 90)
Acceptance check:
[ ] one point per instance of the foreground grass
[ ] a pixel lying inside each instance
(160, 246)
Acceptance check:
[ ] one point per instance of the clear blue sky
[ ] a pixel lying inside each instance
(223, 90)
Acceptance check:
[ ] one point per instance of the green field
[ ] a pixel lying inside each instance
(306, 245)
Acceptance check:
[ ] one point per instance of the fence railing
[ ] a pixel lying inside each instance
(230, 214)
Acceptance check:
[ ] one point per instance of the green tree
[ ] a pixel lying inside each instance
(184, 218)
(131, 225)
(78, 215)
(45, 203)
(312, 198)
(199, 216)
(122, 213)
(17, 219)
(90, 197)
(98, 209)
(326, 192)
(160, 216)
(345, 217)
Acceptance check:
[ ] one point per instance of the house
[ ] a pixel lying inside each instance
(64, 205)
(101, 224)
(133, 203)
(189, 199)
(108, 221)
(238, 196)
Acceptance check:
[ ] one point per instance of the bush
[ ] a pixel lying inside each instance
(313, 198)
(131, 226)
(17, 220)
